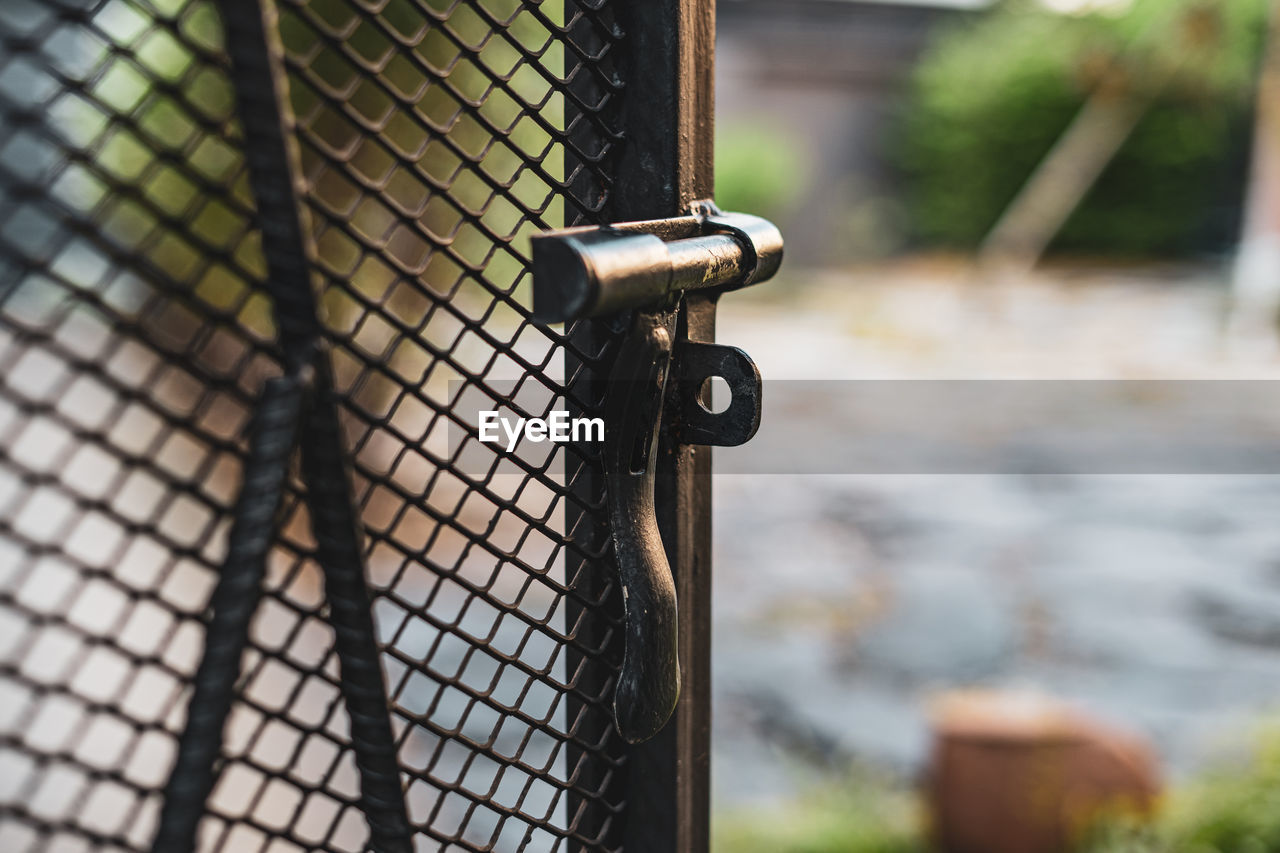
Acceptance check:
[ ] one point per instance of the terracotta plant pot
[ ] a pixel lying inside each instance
(1012, 773)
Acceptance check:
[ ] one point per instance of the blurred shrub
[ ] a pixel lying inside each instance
(860, 815)
(992, 95)
(1232, 809)
(757, 170)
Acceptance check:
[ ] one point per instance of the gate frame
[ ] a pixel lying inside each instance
(666, 163)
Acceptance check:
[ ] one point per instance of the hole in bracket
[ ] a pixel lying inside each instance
(715, 395)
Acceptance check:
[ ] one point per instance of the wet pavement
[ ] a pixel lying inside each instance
(844, 603)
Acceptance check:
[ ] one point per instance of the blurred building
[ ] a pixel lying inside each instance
(825, 77)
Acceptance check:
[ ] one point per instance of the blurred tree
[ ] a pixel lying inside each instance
(1157, 90)
(1253, 327)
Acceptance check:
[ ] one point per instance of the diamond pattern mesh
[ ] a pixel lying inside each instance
(135, 335)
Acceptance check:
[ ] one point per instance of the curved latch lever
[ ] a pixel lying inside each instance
(656, 381)
(649, 681)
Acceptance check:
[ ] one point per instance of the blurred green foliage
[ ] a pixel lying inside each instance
(992, 95)
(1232, 808)
(861, 814)
(438, 203)
(757, 169)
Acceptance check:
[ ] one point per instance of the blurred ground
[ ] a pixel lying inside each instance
(843, 603)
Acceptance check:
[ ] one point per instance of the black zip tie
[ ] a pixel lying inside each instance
(253, 46)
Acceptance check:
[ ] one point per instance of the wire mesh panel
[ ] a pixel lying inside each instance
(135, 336)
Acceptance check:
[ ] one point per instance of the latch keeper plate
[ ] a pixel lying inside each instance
(695, 363)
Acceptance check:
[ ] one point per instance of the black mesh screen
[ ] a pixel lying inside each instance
(135, 337)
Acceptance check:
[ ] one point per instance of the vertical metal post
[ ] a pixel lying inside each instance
(665, 113)
(666, 162)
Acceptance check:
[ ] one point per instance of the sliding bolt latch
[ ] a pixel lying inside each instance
(658, 385)
(604, 269)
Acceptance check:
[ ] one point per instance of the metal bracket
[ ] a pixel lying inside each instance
(694, 421)
(646, 266)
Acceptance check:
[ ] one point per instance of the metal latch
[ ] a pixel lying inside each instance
(646, 267)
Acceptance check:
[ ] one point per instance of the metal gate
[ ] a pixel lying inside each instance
(180, 234)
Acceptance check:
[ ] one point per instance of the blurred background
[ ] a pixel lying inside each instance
(1031, 189)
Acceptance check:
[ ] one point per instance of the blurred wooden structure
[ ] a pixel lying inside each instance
(1014, 773)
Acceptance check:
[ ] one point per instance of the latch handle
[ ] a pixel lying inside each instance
(649, 681)
(651, 375)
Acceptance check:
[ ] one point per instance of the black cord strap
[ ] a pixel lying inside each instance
(270, 151)
(235, 598)
(336, 528)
